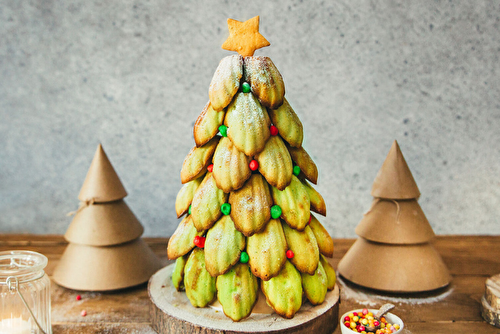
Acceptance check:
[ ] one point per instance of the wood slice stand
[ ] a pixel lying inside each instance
(171, 312)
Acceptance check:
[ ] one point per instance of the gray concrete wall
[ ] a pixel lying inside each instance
(134, 75)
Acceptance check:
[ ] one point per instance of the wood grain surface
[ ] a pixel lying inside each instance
(455, 309)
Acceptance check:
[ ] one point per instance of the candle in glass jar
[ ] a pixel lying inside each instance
(15, 326)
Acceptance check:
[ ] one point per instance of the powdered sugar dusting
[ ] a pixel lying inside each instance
(265, 80)
(248, 124)
(226, 81)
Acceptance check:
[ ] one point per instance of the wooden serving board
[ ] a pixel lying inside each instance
(171, 312)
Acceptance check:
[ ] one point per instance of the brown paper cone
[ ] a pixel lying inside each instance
(102, 184)
(395, 222)
(394, 268)
(91, 268)
(394, 180)
(104, 225)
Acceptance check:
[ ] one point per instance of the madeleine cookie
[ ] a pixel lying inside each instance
(251, 205)
(317, 202)
(206, 204)
(248, 124)
(237, 292)
(265, 80)
(294, 204)
(330, 272)
(315, 286)
(207, 125)
(200, 286)
(304, 161)
(226, 81)
(182, 241)
(304, 247)
(178, 273)
(196, 162)
(284, 292)
(288, 124)
(230, 166)
(266, 250)
(275, 163)
(325, 241)
(185, 196)
(223, 246)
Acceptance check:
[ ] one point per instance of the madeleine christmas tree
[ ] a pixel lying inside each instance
(247, 197)
(396, 235)
(105, 251)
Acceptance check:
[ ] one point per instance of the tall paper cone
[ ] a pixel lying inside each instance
(90, 268)
(394, 268)
(394, 179)
(395, 222)
(104, 225)
(102, 184)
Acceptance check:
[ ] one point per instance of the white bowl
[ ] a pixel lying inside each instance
(391, 318)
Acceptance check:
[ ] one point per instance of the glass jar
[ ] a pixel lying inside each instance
(24, 293)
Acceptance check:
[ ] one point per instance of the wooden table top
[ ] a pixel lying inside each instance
(455, 309)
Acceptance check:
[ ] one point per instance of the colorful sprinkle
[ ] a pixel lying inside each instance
(244, 257)
(83, 313)
(78, 297)
(199, 241)
(254, 165)
(276, 211)
(226, 208)
(289, 254)
(189, 210)
(274, 130)
(359, 321)
(210, 168)
(223, 130)
(296, 170)
(245, 87)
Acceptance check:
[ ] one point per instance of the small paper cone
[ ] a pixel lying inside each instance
(102, 184)
(394, 180)
(89, 268)
(394, 268)
(104, 225)
(395, 222)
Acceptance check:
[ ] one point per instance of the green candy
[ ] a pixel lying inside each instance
(226, 208)
(276, 211)
(245, 87)
(223, 130)
(244, 257)
(296, 170)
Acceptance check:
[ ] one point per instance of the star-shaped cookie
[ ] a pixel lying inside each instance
(244, 37)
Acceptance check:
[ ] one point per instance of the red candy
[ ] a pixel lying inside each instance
(254, 165)
(347, 319)
(274, 130)
(289, 254)
(78, 297)
(199, 241)
(210, 168)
